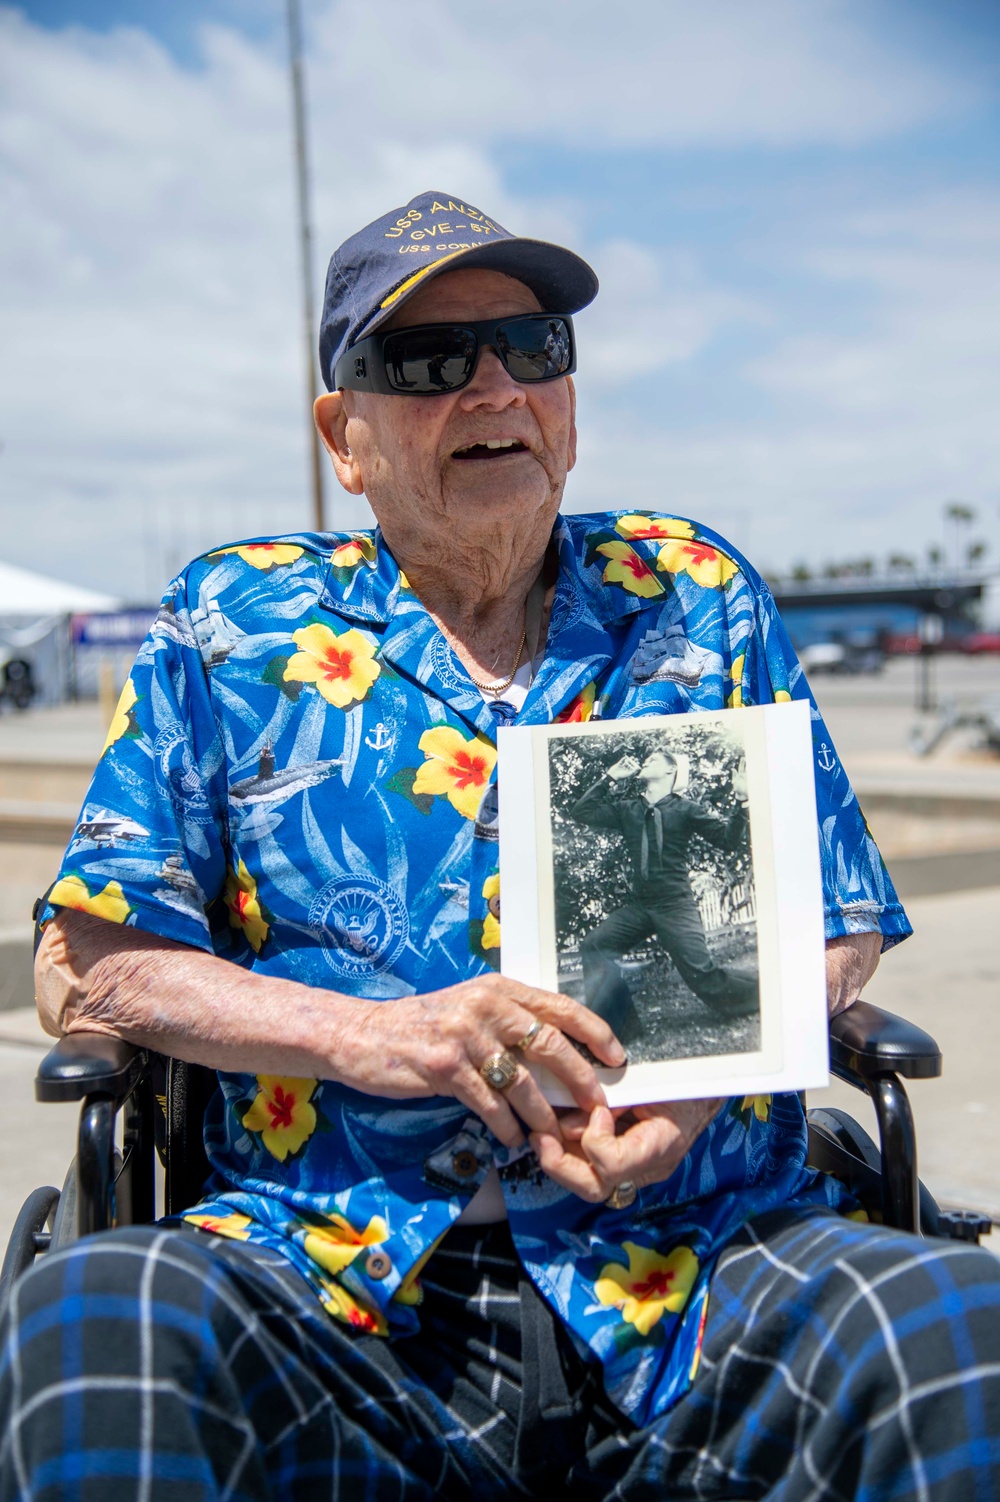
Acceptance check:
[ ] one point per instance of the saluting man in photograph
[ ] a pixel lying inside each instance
(658, 827)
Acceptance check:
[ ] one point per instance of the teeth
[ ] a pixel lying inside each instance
(490, 443)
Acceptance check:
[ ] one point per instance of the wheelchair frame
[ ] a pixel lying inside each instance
(870, 1049)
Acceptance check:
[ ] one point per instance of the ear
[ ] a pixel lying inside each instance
(571, 441)
(330, 417)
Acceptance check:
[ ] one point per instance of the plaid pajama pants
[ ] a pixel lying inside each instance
(840, 1361)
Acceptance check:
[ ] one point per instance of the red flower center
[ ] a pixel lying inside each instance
(700, 552)
(240, 905)
(281, 1107)
(656, 1285)
(468, 771)
(337, 664)
(636, 566)
(361, 1319)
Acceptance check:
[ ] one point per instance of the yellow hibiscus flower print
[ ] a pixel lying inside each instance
(760, 1105)
(335, 1245)
(245, 911)
(338, 1302)
(110, 902)
(650, 1286)
(633, 527)
(491, 923)
(410, 1291)
(281, 1113)
(782, 696)
(235, 1226)
(349, 554)
(123, 719)
(705, 564)
(341, 667)
(580, 709)
(456, 768)
(629, 570)
(735, 699)
(264, 555)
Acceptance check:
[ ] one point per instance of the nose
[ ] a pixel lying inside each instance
(491, 386)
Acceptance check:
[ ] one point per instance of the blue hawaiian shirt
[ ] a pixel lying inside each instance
(301, 778)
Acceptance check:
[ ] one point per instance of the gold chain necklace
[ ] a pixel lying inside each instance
(496, 689)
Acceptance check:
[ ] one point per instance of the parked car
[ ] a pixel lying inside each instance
(842, 657)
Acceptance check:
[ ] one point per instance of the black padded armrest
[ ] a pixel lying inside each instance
(866, 1041)
(84, 1064)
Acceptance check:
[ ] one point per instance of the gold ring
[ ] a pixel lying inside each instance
(530, 1035)
(500, 1070)
(623, 1196)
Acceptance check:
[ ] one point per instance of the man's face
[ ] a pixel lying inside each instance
(656, 768)
(423, 459)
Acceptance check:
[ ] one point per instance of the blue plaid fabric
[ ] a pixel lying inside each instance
(840, 1361)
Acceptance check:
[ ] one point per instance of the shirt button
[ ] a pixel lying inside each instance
(378, 1265)
(465, 1165)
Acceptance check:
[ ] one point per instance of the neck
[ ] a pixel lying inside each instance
(476, 591)
(657, 790)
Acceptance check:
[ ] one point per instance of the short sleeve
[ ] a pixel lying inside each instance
(858, 892)
(149, 848)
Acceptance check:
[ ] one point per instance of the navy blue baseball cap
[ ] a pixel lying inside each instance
(376, 270)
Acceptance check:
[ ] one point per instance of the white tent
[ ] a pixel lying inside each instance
(27, 594)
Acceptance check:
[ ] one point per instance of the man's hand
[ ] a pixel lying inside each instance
(642, 1145)
(627, 767)
(740, 787)
(435, 1044)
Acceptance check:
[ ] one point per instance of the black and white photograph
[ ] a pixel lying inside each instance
(656, 925)
(646, 875)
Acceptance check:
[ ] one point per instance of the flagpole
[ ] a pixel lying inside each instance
(305, 243)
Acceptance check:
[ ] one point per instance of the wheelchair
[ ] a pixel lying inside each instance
(162, 1104)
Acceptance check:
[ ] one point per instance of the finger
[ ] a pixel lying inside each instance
(569, 1169)
(490, 1106)
(646, 1153)
(553, 1049)
(525, 1097)
(573, 1123)
(577, 1021)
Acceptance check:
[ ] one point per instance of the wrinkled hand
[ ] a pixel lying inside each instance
(435, 1044)
(603, 1148)
(626, 767)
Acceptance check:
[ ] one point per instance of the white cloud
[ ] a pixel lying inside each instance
(719, 72)
(150, 370)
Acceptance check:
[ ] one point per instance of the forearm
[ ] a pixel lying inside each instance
(851, 961)
(94, 976)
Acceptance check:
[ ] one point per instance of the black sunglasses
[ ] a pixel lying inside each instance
(439, 357)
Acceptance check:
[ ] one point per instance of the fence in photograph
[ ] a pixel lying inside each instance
(721, 907)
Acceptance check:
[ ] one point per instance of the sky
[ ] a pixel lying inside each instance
(793, 208)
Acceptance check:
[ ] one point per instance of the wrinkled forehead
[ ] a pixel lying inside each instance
(465, 294)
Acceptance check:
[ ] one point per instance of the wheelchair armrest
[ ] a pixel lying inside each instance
(83, 1064)
(865, 1042)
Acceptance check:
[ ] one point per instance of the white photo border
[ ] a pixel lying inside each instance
(793, 1052)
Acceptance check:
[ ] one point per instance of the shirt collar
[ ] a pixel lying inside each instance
(363, 583)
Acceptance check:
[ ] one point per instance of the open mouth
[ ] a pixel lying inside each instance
(491, 448)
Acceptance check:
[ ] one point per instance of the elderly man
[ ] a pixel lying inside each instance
(404, 1281)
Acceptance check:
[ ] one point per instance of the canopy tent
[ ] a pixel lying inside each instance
(29, 595)
(35, 616)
